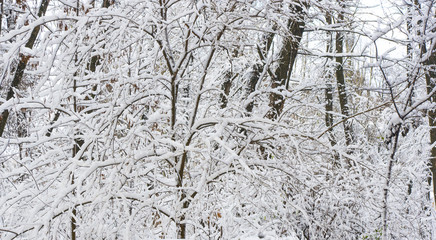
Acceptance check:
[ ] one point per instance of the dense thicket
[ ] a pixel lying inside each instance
(298, 119)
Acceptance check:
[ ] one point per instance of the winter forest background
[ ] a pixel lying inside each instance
(217, 119)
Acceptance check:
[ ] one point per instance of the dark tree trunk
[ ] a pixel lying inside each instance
(340, 79)
(287, 57)
(227, 84)
(329, 89)
(430, 78)
(1, 14)
(251, 85)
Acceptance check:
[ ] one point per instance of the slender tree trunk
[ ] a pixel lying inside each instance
(395, 136)
(76, 147)
(329, 89)
(340, 79)
(409, 50)
(1, 14)
(19, 72)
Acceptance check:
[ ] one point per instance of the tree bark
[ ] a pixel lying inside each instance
(287, 57)
(1, 14)
(340, 79)
(251, 85)
(227, 84)
(329, 89)
(430, 78)
(429, 65)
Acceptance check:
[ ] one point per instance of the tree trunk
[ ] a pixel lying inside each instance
(329, 89)
(227, 84)
(1, 14)
(429, 65)
(430, 78)
(251, 85)
(340, 79)
(287, 57)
